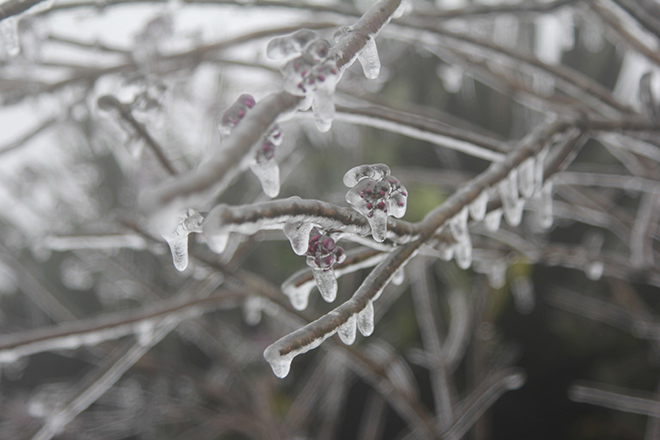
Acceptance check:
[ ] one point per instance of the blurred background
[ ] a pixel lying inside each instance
(571, 307)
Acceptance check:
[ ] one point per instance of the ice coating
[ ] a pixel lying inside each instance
(594, 270)
(144, 332)
(320, 84)
(365, 319)
(266, 169)
(375, 172)
(478, 206)
(293, 74)
(233, 115)
(493, 220)
(316, 50)
(298, 235)
(347, 331)
(511, 203)
(288, 45)
(322, 253)
(399, 276)
(9, 35)
(459, 227)
(405, 8)
(369, 59)
(544, 206)
(281, 363)
(178, 239)
(376, 198)
(526, 179)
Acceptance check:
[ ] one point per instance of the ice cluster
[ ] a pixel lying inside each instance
(376, 194)
(322, 254)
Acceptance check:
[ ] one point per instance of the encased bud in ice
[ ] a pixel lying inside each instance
(237, 111)
(288, 45)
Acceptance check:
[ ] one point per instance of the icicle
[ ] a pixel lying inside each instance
(266, 169)
(399, 276)
(539, 163)
(233, 115)
(451, 76)
(365, 320)
(376, 199)
(463, 253)
(594, 270)
(478, 206)
(369, 59)
(320, 84)
(511, 204)
(322, 254)
(298, 235)
(446, 251)
(496, 274)
(548, 45)
(281, 363)
(347, 331)
(288, 45)
(252, 310)
(459, 227)
(9, 36)
(592, 33)
(523, 294)
(299, 296)
(526, 173)
(544, 206)
(178, 239)
(493, 220)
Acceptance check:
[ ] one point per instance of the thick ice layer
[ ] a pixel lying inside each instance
(369, 59)
(178, 239)
(289, 45)
(298, 235)
(511, 203)
(526, 173)
(376, 199)
(347, 331)
(320, 84)
(405, 8)
(365, 320)
(281, 364)
(493, 220)
(233, 115)
(322, 253)
(9, 35)
(478, 206)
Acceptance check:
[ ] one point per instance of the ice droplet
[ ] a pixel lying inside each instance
(496, 274)
(365, 320)
(523, 294)
(9, 35)
(299, 296)
(178, 239)
(369, 59)
(446, 251)
(478, 206)
(511, 203)
(268, 173)
(459, 227)
(279, 364)
(399, 276)
(405, 8)
(298, 235)
(252, 310)
(320, 84)
(347, 331)
(544, 206)
(463, 253)
(493, 220)
(327, 284)
(288, 45)
(217, 242)
(526, 173)
(594, 270)
(322, 253)
(144, 332)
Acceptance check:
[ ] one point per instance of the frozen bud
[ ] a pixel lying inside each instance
(322, 254)
(316, 50)
(376, 172)
(294, 71)
(266, 169)
(178, 239)
(237, 111)
(275, 136)
(288, 45)
(376, 198)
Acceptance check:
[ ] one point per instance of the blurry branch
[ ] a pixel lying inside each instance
(478, 10)
(646, 224)
(34, 133)
(96, 45)
(620, 399)
(15, 7)
(642, 14)
(110, 103)
(92, 331)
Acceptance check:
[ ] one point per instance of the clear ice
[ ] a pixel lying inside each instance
(365, 320)
(320, 84)
(594, 270)
(463, 253)
(347, 331)
(544, 206)
(322, 253)
(496, 274)
(376, 197)
(459, 227)
(178, 239)
(288, 45)
(478, 206)
(265, 166)
(252, 310)
(298, 235)
(369, 59)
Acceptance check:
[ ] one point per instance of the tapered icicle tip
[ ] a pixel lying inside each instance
(327, 283)
(179, 248)
(348, 331)
(281, 365)
(365, 320)
(298, 235)
(369, 59)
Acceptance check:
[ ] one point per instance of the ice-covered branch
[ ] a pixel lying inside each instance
(636, 402)
(646, 224)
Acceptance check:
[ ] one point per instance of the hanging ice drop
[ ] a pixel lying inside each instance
(298, 235)
(365, 320)
(347, 331)
(493, 220)
(178, 239)
(526, 173)
(458, 226)
(288, 45)
(511, 203)
(369, 59)
(478, 206)
(322, 253)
